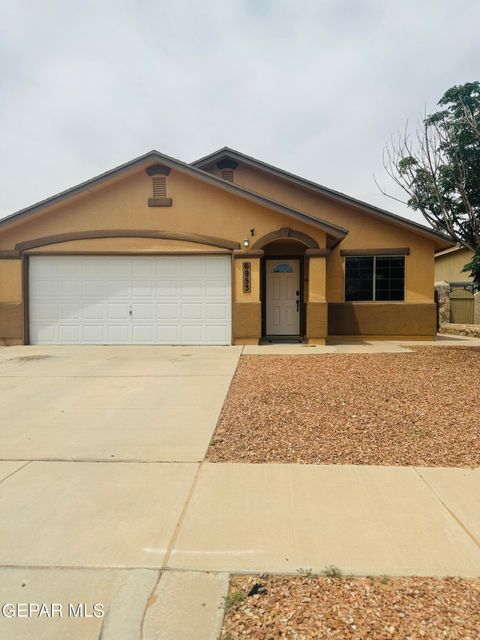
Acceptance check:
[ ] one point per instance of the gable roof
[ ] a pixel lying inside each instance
(441, 240)
(454, 249)
(334, 232)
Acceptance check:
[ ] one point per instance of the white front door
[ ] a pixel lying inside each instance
(130, 300)
(283, 297)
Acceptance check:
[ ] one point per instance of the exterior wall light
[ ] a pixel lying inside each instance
(246, 242)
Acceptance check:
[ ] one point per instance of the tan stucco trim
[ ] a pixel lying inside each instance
(254, 253)
(247, 320)
(286, 232)
(11, 321)
(376, 319)
(125, 233)
(317, 320)
(315, 253)
(402, 251)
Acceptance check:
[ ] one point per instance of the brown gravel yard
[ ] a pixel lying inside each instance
(420, 408)
(355, 608)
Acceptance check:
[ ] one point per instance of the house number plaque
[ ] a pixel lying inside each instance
(247, 277)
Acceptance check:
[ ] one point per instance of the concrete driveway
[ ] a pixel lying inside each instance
(100, 448)
(155, 404)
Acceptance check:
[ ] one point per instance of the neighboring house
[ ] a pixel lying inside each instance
(225, 250)
(449, 264)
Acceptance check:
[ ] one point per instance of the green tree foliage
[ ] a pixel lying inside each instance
(439, 168)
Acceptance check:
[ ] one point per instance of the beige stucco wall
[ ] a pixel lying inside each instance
(365, 232)
(448, 268)
(10, 281)
(199, 208)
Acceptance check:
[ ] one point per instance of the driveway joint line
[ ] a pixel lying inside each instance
(460, 522)
(170, 546)
(16, 470)
(182, 517)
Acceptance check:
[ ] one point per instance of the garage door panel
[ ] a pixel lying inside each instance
(70, 311)
(118, 311)
(192, 267)
(192, 289)
(94, 289)
(69, 289)
(192, 311)
(172, 300)
(44, 311)
(217, 311)
(44, 334)
(217, 334)
(93, 267)
(167, 289)
(143, 289)
(192, 334)
(47, 288)
(216, 289)
(168, 334)
(118, 288)
(142, 311)
(70, 334)
(94, 311)
(217, 267)
(118, 267)
(94, 334)
(143, 267)
(168, 311)
(118, 334)
(169, 267)
(143, 334)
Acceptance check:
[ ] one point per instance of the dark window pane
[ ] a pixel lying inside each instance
(389, 278)
(359, 278)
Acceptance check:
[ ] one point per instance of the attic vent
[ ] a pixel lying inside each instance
(227, 174)
(226, 167)
(159, 175)
(159, 187)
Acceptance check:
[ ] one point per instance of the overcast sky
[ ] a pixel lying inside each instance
(313, 86)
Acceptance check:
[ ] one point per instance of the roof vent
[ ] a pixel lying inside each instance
(159, 175)
(227, 168)
(227, 174)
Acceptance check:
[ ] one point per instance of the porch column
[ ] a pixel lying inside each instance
(317, 315)
(11, 302)
(247, 308)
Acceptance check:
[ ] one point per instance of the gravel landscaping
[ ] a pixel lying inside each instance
(420, 408)
(355, 608)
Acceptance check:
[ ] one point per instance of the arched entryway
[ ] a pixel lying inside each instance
(284, 273)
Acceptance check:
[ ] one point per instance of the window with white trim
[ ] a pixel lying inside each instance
(374, 278)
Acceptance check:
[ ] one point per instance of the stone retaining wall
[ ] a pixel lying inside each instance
(471, 330)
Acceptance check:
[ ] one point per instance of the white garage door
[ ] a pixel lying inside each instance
(130, 300)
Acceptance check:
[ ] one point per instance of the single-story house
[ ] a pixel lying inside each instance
(449, 264)
(227, 249)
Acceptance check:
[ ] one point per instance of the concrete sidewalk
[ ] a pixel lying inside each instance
(106, 532)
(280, 518)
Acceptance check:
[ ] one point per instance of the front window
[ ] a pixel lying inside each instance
(374, 278)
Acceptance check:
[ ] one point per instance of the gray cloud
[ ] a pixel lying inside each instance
(313, 86)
